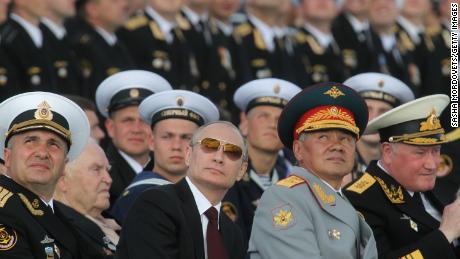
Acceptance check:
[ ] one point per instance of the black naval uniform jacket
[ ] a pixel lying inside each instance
(32, 64)
(252, 60)
(8, 76)
(66, 72)
(401, 225)
(97, 59)
(354, 48)
(29, 229)
(89, 235)
(121, 172)
(164, 223)
(147, 45)
(240, 202)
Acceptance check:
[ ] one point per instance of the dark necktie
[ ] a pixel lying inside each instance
(418, 199)
(214, 241)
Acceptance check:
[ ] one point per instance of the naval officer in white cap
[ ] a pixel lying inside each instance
(43, 132)
(117, 99)
(395, 194)
(381, 93)
(260, 102)
(174, 116)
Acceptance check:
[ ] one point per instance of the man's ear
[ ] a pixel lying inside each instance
(188, 155)
(387, 152)
(109, 126)
(243, 170)
(244, 124)
(297, 150)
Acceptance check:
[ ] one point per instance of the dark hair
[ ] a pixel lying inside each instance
(84, 103)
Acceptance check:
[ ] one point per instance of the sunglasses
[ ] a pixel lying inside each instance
(232, 151)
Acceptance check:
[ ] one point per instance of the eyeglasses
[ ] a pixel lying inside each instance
(232, 151)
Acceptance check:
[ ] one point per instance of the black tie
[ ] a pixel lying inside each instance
(418, 199)
(214, 241)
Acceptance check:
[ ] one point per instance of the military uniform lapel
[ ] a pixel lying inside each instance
(332, 203)
(402, 200)
(191, 216)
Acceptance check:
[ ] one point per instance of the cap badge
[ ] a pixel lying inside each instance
(431, 123)
(180, 100)
(276, 89)
(381, 83)
(43, 112)
(134, 93)
(334, 92)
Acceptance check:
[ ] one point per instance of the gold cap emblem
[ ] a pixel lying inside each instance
(134, 93)
(43, 112)
(276, 89)
(431, 123)
(334, 92)
(180, 100)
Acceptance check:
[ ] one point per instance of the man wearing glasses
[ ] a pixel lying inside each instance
(306, 215)
(184, 220)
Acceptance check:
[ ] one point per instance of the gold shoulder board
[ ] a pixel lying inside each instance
(183, 23)
(243, 29)
(5, 195)
(290, 181)
(136, 22)
(300, 38)
(314, 45)
(362, 184)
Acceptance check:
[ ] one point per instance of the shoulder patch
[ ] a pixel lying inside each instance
(243, 29)
(8, 238)
(5, 195)
(136, 22)
(290, 181)
(362, 184)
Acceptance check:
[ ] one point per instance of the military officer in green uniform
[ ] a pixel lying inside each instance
(395, 194)
(43, 132)
(306, 215)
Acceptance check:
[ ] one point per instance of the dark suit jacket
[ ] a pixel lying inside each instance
(164, 223)
(401, 227)
(29, 229)
(90, 236)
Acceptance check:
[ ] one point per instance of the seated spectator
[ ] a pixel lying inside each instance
(82, 193)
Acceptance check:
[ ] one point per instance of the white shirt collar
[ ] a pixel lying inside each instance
(357, 25)
(165, 25)
(138, 168)
(412, 29)
(227, 29)
(388, 41)
(56, 29)
(110, 38)
(193, 16)
(324, 39)
(202, 203)
(34, 31)
(49, 204)
(267, 32)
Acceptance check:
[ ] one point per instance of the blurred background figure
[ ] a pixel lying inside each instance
(89, 107)
(92, 38)
(351, 31)
(7, 72)
(135, 6)
(82, 194)
(64, 63)
(320, 55)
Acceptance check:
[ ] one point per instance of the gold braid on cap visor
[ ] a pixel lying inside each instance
(37, 124)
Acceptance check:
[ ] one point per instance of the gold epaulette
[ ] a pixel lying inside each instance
(300, 38)
(314, 45)
(406, 42)
(183, 23)
(433, 30)
(5, 195)
(417, 254)
(362, 184)
(290, 181)
(453, 135)
(136, 22)
(243, 30)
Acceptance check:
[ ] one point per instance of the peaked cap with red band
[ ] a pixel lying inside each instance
(320, 107)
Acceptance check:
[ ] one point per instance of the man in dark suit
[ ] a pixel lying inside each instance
(184, 220)
(44, 131)
(117, 99)
(395, 194)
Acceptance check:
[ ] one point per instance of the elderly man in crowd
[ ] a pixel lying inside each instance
(83, 194)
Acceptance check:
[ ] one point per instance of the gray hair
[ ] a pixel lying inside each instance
(197, 135)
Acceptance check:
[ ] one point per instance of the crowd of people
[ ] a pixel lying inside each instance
(227, 129)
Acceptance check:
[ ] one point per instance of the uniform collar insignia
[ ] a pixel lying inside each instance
(394, 194)
(29, 206)
(325, 198)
